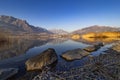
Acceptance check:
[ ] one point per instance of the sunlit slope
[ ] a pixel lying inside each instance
(101, 34)
(75, 36)
(95, 37)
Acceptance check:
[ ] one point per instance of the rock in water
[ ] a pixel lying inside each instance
(7, 73)
(90, 48)
(74, 54)
(94, 47)
(46, 58)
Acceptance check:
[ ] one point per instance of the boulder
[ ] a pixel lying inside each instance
(74, 54)
(116, 47)
(94, 47)
(38, 62)
(90, 48)
(6, 73)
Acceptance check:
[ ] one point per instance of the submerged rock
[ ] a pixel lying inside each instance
(7, 73)
(75, 54)
(46, 58)
(94, 47)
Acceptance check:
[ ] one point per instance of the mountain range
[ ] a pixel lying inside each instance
(58, 31)
(17, 26)
(96, 29)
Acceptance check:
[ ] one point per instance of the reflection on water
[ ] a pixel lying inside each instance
(100, 39)
(59, 47)
(17, 47)
(17, 51)
(105, 40)
(58, 41)
(32, 47)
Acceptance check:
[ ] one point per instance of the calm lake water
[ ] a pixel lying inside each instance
(21, 50)
(15, 53)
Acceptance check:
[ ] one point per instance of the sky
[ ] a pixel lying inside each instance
(69, 15)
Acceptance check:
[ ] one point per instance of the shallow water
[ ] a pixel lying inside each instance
(21, 50)
(17, 52)
(59, 47)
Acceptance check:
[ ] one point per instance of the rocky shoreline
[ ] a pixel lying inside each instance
(103, 67)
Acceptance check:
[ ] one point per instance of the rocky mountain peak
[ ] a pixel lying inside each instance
(95, 28)
(13, 20)
(58, 31)
(14, 24)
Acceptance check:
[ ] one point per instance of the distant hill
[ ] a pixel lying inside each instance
(95, 28)
(58, 31)
(15, 25)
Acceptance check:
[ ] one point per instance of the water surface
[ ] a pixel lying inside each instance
(20, 50)
(15, 53)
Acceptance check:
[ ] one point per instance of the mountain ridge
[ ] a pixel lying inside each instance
(16, 25)
(58, 31)
(95, 28)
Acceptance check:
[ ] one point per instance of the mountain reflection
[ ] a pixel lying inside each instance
(58, 41)
(16, 47)
(89, 40)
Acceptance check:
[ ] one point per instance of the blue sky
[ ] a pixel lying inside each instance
(64, 14)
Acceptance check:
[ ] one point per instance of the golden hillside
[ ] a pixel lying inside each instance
(75, 36)
(101, 34)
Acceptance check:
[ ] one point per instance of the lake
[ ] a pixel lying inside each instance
(14, 54)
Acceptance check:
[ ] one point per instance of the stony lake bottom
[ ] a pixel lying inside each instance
(14, 54)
